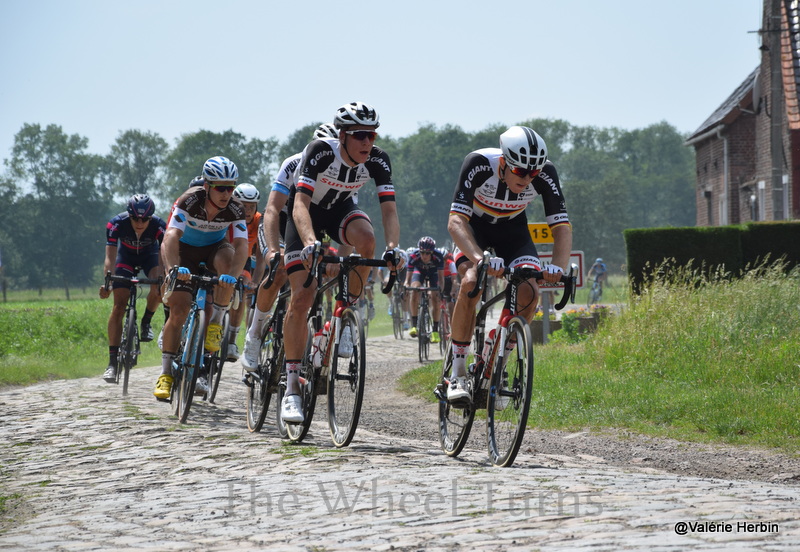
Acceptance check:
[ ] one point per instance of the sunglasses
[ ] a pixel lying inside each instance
(362, 134)
(223, 189)
(141, 219)
(517, 171)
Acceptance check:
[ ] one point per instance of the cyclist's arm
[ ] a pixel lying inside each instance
(171, 247)
(272, 218)
(108, 266)
(562, 247)
(302, 218)
(391, 224)
(240, 254)
(462, 235)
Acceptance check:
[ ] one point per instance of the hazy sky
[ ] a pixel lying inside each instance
(265, 68)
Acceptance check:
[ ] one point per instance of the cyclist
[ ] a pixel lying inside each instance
(273, 229)
(425, 264)
(248, 195)
(139, 232)
(494, 187)
(196, 234)
(598, 270)
(331, 171)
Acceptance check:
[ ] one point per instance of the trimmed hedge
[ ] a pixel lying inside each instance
(710, 248)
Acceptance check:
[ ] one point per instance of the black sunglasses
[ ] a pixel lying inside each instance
(224, 189)
(362, 134)
(141, 219)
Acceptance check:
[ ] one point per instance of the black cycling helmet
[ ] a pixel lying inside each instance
(141, 206)
(427, 243)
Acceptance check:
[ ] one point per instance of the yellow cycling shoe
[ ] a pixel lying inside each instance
(413, 332)
(163, 387)
(213, 338)
(435, 337)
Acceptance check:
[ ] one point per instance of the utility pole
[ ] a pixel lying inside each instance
(776, 108)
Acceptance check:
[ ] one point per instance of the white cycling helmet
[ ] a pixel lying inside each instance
(325, 130)
(220, 168)
(246, 193)
(356, 113)
(523, 148)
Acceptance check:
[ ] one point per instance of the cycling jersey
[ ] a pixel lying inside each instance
(286, 180)
(119, 230)
(189, 216)
(418, 265)
(480, 193)
(329, 181)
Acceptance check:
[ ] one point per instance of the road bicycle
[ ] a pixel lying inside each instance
(129, 345)
(263, 381)
(596, 291)
(323, 370)
(190, 358)
(501, 376)
(398, 312)
(424, 324)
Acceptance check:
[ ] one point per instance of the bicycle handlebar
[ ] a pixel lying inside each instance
(202, 279)
(357, 260)
(131, 280)
(273, 269)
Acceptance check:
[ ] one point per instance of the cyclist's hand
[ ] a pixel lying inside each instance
(306, 255)
(184, 274)
(395, 258)
(227, 281)
(104, 292)
(496, 266)
(552, 273)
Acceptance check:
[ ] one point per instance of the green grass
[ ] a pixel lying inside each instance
(60, 339)
(717, 362)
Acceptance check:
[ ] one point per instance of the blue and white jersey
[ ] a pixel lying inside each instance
(190, 217)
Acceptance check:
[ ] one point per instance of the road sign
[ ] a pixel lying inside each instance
(540, 232)
(575, 257)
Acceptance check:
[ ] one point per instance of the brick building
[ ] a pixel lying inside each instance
(748, 150)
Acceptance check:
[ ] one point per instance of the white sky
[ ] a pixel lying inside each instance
(265, 68)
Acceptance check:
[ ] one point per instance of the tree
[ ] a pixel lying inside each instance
(134, 164)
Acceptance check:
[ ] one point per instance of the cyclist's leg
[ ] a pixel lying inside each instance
(179, 302)
(265, 299)
(356, 230)
(221, 262)
(153, 270)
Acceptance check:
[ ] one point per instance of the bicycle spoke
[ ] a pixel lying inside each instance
(346, 383)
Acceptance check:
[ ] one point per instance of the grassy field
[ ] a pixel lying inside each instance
(716, 363)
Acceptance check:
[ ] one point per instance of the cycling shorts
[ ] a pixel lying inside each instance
(509, 240)
(332, 221)
(126, 266)
(192, 256)
(431, 275)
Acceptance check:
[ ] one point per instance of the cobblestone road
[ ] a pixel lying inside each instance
(82, 469)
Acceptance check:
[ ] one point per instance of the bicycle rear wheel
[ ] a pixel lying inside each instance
(509, 397)
(190, 368)
(397, 318)
(455, 420)
(258, 393)
(346, 383)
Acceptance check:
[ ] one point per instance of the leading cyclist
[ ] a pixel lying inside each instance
(488, 211)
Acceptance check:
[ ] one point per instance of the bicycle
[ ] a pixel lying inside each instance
(397, 312)
(424, 325)
(189, 359)
(501, 375)
(321, 372)
(263, 381)
(596, 291)
(129, 345)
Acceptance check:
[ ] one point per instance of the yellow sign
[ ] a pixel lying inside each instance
(540, 232)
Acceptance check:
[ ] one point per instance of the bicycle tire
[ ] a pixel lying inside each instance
(397, 318)
(218, 360)
(444, 330)
(128, 349)
(191, 368)
(455, 420)
(423, 335)
(509, 400)
(308, 393)
(346, 383)
(258, 393)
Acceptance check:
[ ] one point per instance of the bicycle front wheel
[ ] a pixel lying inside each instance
(423, 334)
(397, 318)
(217, 360)
(191, 362)
(127, 350)
(444, 330)
(258, 392)
(509, 397)
(455, 420)
(346, 383)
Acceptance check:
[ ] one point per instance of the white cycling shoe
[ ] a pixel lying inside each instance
(292, 409)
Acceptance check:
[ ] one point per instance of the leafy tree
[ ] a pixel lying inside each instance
(134, 164)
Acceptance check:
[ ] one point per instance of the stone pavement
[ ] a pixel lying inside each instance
(83, 469)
